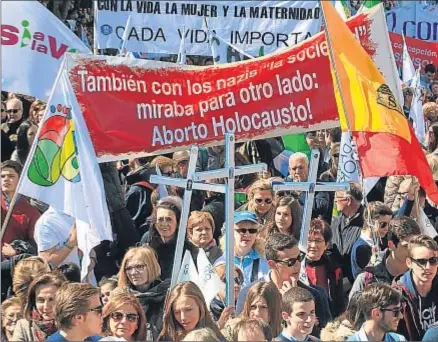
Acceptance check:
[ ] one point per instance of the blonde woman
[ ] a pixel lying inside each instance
(123, 317)
(200, 229)
(261, 202)
(186, 311)
(140, 275)
(11, 313)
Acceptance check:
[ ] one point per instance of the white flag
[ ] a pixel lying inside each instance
(408, 71)
(182, 58)
(62, 164)
(416, 111)
(426, 226)
(188, 270)
(339, 6)
(348, 168)
(124, 42)
(209, 281)
(34, 42)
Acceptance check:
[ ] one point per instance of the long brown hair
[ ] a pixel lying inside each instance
(296, 213)
(54, 278)
(172, 330)
(269, 292)
(117, 299)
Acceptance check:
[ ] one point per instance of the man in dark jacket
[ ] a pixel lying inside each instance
(299, 172)
(347, 227)
(391, 262)
(419, 286)
(284, 259)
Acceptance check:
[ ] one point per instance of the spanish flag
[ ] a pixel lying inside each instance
(384, 138)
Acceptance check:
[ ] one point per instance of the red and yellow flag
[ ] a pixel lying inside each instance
(384, 138)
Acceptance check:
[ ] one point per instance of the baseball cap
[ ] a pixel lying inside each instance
(240, 216)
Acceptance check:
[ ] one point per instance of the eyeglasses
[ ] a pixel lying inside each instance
(317, 241)
(423, 262)
(138, 268)
(15, 111)
(383, 224)
(261, 200)
(293, 261)
(395, 311)
(130, 317)
(97, 309)
(237, 280)
(247, 230)
(183, 163)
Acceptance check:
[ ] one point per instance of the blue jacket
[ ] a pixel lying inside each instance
(58, 337)
(245, 264)
(389, 336)
(431, 334)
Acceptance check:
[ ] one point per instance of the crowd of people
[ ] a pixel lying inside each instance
(368, 271)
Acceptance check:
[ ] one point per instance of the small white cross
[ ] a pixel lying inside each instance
(310, 187)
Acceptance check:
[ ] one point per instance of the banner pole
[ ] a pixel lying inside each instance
(31, 154)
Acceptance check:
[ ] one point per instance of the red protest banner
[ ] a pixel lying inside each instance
(421, 52)
(138, 107)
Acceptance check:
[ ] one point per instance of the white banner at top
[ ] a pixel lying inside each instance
(157, 26)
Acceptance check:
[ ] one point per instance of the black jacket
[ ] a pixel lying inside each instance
(152, 302)
(166, 251)
(345, 232)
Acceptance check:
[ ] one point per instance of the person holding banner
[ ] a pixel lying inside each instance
(161, 237)
(140, 275)
(185, 311)
(247, 247)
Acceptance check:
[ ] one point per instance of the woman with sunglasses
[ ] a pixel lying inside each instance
(263, 301)
(123, 317)
(248, 248)
(140, 275)
(11, 313)
(217, 305)
(163, 234)
(261, 202)
(39, 311)
(288, 216)
(186, 311)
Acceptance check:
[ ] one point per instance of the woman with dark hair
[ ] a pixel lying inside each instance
(287, 219)
(163, 234)
(39, 313)
(186, 311)
(25, 136)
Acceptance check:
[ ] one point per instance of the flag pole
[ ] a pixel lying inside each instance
(30, 156)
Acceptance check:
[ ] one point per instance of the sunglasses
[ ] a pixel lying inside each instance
(15, 111)
(97, 309)
(138, 268)
(237, 280)
(130, 317)
(423, 262)
(293, 261)
(261, 200)
(168, 174)
(247, 230)
(395, 311)
(383, 224)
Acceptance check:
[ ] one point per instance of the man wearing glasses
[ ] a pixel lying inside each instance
(284, 260)
(14, 111)
(391, 262)
(381, 305)
(78, 313)
(419, 286)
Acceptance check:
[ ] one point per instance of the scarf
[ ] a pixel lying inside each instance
(43, 329)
